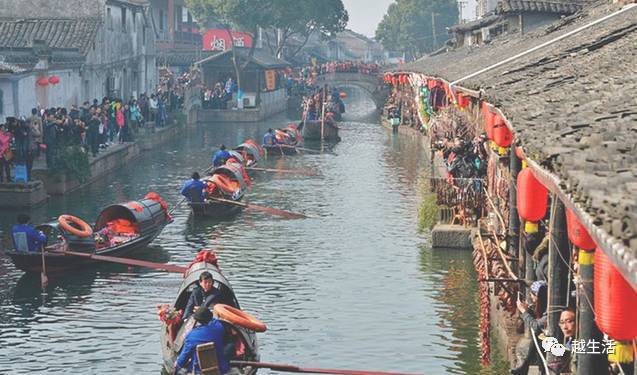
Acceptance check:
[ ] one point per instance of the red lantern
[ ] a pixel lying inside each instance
(614, 299)
(577, 234)
(489, 123)
(394, 81)
(431, 83)
(501, 133)
(42, 81)
(532, 196)
(463, 101)
(54, 80)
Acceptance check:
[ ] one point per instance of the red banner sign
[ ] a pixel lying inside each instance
(218, 40)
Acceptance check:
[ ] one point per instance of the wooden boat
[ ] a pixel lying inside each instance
(251, 153)
(312, 130)
(146, 217)
(225, 182)
(174, 334)
(288, 140)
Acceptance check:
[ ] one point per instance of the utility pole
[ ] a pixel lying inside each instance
(433, 30)
(461, 5)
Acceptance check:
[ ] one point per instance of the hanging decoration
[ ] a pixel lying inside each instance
(532, 200)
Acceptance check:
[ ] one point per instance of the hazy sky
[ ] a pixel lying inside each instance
(364, 15)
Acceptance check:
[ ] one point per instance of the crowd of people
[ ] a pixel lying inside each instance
(219, 96)
(93, 126)
(313, 105)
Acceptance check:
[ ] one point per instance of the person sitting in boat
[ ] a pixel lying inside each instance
(208, 330)
(220, 157)
(269, 139)
(205, 294)
(25, 237)
(193, 185)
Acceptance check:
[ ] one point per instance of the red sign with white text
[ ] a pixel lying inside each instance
(218, 40)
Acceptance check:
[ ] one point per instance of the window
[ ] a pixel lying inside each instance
(161, 19)
(123, 19)
(109, 19)
(184, 15)
(134, 17)
(1, 102)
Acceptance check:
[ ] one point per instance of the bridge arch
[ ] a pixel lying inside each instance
(366, 82)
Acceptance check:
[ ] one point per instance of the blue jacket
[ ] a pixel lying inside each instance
(213, 332)
(190, 184)
(220, 157)
(269, 139)
(26, 238)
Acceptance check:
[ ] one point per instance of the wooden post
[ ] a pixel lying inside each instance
(587, 363)
(514, 219)
(323, 113)
(207, 358)
(559, 262)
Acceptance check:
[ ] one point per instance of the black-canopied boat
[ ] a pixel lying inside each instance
(312, 130)
(174, 331)
(288, 140)
(225, 185)
(120, 229)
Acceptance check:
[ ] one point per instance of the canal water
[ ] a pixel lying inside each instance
(353, 286)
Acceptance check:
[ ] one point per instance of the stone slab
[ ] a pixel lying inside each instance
(451, 237)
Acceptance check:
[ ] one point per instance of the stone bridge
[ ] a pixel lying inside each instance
(366, 82)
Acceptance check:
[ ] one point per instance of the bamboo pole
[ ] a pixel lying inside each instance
(587, 363)
(559, 261)
(514, 220)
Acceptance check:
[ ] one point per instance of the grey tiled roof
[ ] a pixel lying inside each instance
(549, 6)
(260, 57)
(58, 33)
(572, 105)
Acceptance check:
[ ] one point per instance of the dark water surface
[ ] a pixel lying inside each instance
(354, 286)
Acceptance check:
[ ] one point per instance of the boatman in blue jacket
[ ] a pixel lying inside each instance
(194, 185)
(25, 237)
(268, 138)
(220, 157)
(207, 330)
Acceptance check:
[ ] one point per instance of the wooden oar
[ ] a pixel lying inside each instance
(250, 206)
(44, 279)
(130, 262)
(292, 368)
(309, 172)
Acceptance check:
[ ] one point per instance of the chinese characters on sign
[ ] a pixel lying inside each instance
(218, 40)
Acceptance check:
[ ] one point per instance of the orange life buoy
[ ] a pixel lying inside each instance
(69, 224)
(238, 317)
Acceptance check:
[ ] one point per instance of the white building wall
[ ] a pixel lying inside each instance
(124, 55)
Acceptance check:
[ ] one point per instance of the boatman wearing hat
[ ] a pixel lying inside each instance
(208, 330)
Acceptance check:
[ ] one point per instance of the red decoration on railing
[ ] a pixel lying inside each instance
(532, 196)
(614, 299)
(54, 80)
(502, 136)
(577, 234)
(42, 81)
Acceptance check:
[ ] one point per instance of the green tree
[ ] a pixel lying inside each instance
(302, 18)
(407, 25)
